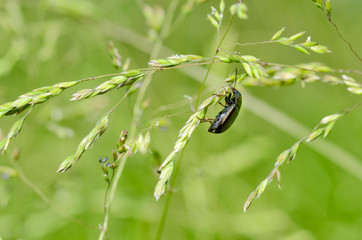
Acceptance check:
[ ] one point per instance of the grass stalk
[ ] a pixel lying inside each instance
(344, 40)
(136, 114)
(213, 61)
(154, 53)
(111, 188)
(112, 192)
(161, 225)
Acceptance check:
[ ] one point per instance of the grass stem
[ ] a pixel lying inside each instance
(161, 225)
(213, 60)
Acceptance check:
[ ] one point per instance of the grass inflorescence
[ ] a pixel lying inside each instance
(167, 167)
(254, 73)
(323, 128)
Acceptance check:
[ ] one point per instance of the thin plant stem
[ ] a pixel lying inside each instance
(249, 44)
(107, 190)
(329, 16)
(121, 100)
(340, 35)
(111, 188)
(171, 190)
(112, 192)
(213, 61)
(137, 109)
(154, 53)
(100, 76)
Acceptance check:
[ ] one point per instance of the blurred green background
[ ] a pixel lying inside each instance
(45, 42)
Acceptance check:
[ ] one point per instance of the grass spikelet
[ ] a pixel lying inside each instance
(33, 97)
(87, 142)
(14, 131)
(324, 126)
(176, 60)
(184, 136)
(124, 79)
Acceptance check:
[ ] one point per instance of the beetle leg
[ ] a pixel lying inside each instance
(222, 104)
(202, 120)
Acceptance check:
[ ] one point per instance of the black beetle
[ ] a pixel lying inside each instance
(226, 117)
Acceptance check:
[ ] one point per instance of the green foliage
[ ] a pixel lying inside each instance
(67, 40)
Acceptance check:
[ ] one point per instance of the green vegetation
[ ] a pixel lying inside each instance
(104, 109)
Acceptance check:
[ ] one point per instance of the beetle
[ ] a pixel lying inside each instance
(226, 117)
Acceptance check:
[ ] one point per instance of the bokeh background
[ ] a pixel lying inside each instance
(49, 41)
